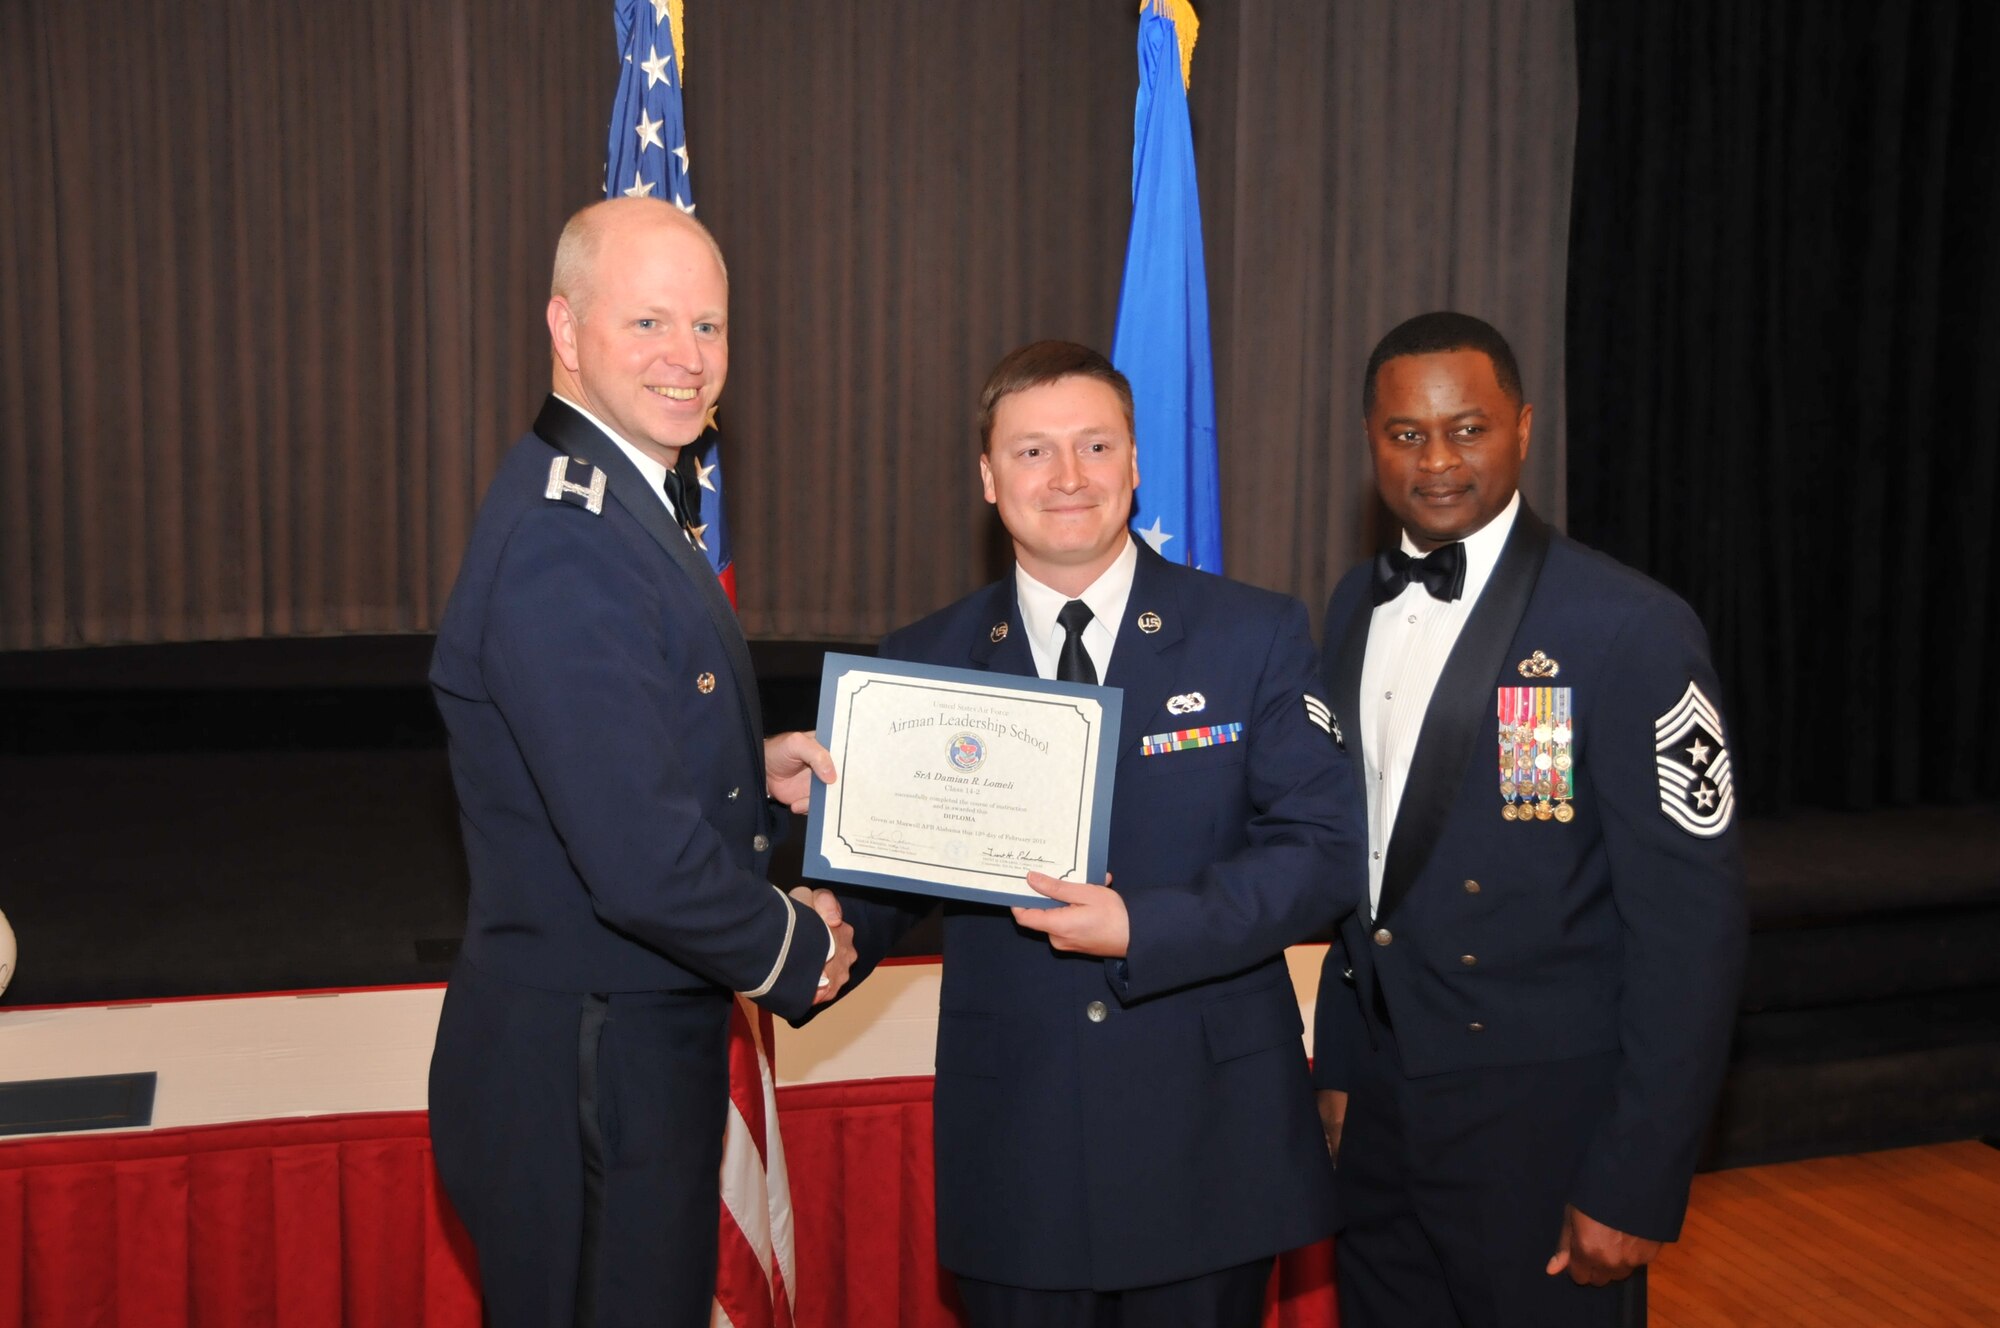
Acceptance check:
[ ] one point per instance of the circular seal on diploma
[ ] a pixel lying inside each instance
(966, 752)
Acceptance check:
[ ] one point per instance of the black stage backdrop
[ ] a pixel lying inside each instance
(1784, 342)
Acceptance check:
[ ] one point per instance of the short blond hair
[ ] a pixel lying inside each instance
(582, 239)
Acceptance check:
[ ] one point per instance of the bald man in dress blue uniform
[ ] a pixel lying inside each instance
(1522, 1032)
(612, 775)
(1125, 1129)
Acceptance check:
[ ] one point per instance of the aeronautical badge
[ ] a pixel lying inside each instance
(581, 487)
(1538, 665)
(1329, 723)
(1187, 703)
(1697, 790)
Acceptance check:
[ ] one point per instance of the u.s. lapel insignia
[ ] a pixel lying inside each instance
(1322, 716)
(1149, 622)
(998, 634)
(1538, 665)
(1537, 745)
(1186, 704)
(704, 683)
(589, 495)
(1697, 787)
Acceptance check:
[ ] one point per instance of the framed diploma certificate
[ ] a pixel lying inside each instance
(958, 783)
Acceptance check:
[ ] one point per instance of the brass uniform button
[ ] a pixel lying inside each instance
(762, 843)
(1382, 936)
(1468, 960)
(1472, 887)
(704, 683)
(1475, 1028)
(1095, 1012)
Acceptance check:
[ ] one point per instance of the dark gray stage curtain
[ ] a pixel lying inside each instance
(1364, 161)
(271, 279)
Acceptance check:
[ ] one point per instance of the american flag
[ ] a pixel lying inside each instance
(647, 157)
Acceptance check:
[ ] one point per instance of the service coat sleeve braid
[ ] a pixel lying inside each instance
(1684, 919)
(573, 653)
(1302, 865)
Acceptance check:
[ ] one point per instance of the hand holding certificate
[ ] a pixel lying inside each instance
(954, 783)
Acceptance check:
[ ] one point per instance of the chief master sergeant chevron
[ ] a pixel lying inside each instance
(611, 771)
(1522, 1046)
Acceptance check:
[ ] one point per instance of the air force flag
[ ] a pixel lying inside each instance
(1161, 342)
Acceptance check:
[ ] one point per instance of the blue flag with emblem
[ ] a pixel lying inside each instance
(646, 156)
(1161, 343)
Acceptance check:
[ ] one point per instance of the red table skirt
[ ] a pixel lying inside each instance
(340, 1220)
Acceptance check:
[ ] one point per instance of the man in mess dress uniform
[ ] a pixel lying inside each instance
(612, 774)
(1125, 1124)
(1521, 1034)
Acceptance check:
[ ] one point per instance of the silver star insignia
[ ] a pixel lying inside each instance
(1699, 752)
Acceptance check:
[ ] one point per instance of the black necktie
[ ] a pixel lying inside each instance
(1441, 572)
(1074, 665)
(684, 507)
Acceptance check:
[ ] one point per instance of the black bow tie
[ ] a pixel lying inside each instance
(1441, 572)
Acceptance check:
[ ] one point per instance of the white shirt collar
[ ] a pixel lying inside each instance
(1482, 548)
(655, 473)
(1106, 596)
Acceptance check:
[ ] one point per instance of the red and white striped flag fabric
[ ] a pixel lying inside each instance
(756, 1270)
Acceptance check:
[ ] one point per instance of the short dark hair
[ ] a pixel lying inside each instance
(1040, 363)
(1436, 333)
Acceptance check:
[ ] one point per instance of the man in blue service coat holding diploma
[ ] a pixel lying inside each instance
(1125, 1126)
(1524, 1041)
(611, 771)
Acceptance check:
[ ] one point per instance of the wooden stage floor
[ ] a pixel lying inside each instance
(1903, 1239)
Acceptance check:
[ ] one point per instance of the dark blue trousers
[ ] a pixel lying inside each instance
(1229, 1298)
(579, 1137)
(1453, 1188)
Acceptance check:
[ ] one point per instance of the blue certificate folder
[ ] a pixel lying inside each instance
(958, 754)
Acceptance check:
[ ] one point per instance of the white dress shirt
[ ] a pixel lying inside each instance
(1409, 640)
(655, 473)
(1106, 597)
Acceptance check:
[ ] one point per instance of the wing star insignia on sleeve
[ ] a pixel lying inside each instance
(588, 495)
(1328, 723)
(1697, 787)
